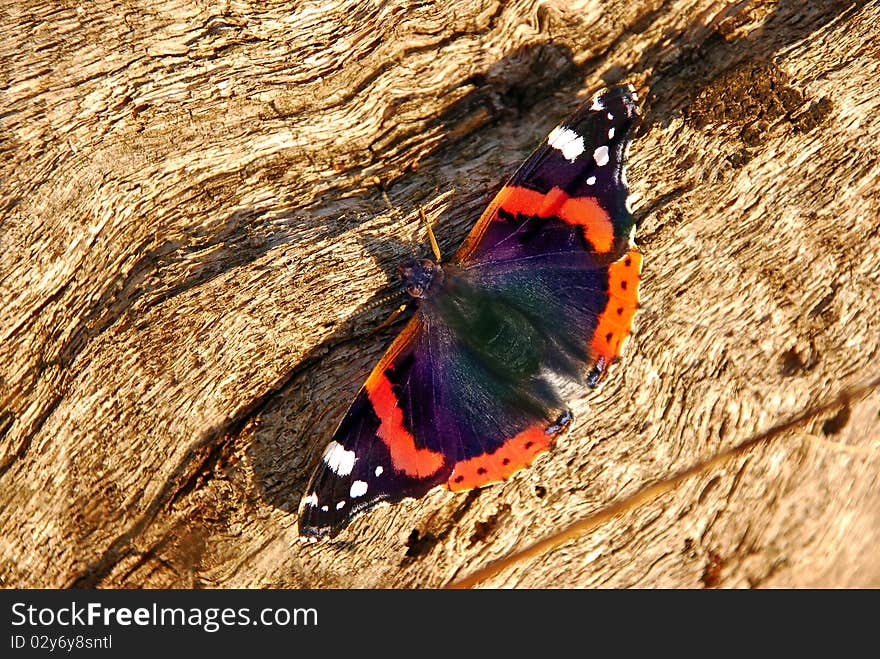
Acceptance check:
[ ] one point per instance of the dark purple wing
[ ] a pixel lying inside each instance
(568, 201)
(374, 455)
(556, 242)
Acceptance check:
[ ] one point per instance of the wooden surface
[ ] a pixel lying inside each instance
(194, 247)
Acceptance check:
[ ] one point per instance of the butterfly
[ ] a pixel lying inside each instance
(543, 290)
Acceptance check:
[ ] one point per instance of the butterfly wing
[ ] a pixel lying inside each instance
(557, 239)
(374, 455)
(572, 190)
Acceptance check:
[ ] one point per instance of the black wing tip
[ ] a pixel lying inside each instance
(317, 524)
(309, 533)
(626, 93)
(612, 98)
(312, 528)
(619, 102)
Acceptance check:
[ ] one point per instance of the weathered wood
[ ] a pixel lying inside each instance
(195, 246)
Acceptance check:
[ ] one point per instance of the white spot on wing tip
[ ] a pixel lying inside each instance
(611, 133)
(597, 102)
(600, 155)
(591, 180)
(379, 470)
(340, 505)
(358, 489)
(311, 500)
(567, 141)
(340, 461)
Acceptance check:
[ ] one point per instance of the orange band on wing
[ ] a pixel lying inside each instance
(594, 221)
(615, 322)
(585, 212)
(405, 456)
(516, 453)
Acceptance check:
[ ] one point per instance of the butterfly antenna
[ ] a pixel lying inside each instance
(434, 246)
(385, 299)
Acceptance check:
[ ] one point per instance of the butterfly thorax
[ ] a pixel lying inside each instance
(421, 277)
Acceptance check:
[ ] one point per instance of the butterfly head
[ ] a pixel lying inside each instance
(420, 276)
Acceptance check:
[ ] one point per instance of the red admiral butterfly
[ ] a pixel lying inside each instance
(545, 286)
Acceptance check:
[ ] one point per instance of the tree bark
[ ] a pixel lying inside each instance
(196, 246)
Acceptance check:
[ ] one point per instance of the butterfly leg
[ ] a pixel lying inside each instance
(390, 320)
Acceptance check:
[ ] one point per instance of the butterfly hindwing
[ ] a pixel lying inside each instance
(437, 410)
(500, 412)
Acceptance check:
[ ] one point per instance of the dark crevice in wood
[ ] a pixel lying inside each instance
(421, 543)
(836, 423)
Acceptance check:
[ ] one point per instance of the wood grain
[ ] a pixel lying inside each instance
(196, 247)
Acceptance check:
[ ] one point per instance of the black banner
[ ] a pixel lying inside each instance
(119, 623)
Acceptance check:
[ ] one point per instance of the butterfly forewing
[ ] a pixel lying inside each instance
(568, 201)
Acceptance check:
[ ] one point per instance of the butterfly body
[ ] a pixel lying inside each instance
(544, 287)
